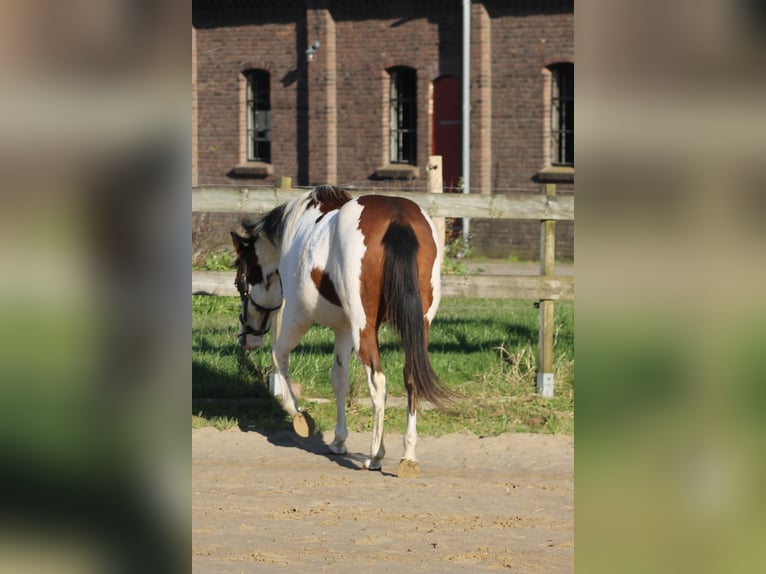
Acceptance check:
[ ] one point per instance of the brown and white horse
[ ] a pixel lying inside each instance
(351, 265)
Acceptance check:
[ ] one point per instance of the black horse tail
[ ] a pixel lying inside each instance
(403, 308)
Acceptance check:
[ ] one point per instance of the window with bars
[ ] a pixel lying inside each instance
(258, 115)
(562, 114)
(403, 115)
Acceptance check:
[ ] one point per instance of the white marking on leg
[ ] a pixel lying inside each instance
(377, 384)
(411, 436)
(281, 374)
(340, 384)
(290, 334)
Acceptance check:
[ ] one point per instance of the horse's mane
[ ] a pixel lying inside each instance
(269, 225)
(328, 197)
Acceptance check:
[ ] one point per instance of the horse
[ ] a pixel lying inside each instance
(348, 264)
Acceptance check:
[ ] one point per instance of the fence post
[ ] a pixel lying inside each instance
(285, 183)
(547, 266)
(436, 185)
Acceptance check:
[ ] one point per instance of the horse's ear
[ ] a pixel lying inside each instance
(240, 243)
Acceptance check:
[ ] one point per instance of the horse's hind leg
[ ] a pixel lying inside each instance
(340, 384)
(376, 381)
(409, 467)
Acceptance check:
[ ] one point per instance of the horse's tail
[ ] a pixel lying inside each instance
(403, 308)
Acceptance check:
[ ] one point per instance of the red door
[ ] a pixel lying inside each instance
(447, 128)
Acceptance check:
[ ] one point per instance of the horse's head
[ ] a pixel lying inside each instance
(259, 286)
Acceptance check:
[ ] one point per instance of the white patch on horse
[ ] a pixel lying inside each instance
(344, 265)
(307, 248)
(436, 282)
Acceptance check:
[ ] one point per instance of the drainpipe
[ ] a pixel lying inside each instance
(466, 123)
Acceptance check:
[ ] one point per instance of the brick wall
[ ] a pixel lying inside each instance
(519, 239)
(526, 38)
(330, 115)
(227, 45)
(195, 122)
(524, 42)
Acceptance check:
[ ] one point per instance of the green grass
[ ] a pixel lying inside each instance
(485, 350)
(454, 267)
(219, 261)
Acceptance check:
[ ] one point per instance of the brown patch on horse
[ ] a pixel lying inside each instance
(379, 212)
(327, 198)
(325, 286)
(244, 246)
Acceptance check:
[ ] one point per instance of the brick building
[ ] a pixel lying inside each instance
(359, 93)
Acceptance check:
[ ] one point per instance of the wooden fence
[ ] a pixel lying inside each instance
(512, 206)
(546, 207)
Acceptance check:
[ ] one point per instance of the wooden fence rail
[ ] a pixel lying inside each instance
(533, 287)
(484, 206)
(546, 207)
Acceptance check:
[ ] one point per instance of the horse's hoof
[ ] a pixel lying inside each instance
(371, 464)
(408, 469)
(337, 448)
(303, 425)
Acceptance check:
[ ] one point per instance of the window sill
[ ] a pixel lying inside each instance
(555, 174)
(397, 171)
(252, 169)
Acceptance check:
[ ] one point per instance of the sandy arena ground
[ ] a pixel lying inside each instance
(282, 504)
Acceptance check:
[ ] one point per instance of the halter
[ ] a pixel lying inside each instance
(246, 297)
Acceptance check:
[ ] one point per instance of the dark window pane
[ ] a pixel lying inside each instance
(562, 114)
(259, 115)
(403, 116)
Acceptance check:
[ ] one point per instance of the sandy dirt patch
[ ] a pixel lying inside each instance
(283, 504)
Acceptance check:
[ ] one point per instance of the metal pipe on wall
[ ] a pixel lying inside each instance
(466, 123)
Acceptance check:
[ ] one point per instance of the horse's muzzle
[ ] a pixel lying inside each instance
(250, 342)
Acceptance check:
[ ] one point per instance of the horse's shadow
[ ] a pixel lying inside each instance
(316, 445)
(245, 397)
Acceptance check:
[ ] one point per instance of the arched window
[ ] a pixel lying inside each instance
(562, 114)
(403, 115)
(258, 111)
